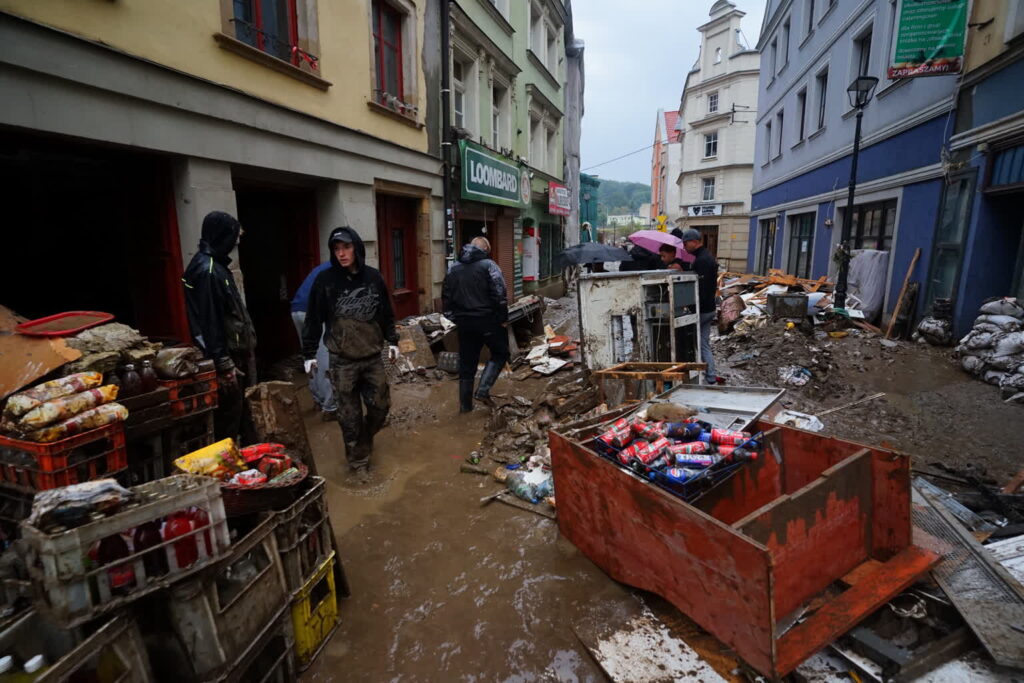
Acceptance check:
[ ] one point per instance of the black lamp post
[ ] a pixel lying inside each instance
(860, 92)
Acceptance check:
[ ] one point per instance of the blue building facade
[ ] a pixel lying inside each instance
(811, 51)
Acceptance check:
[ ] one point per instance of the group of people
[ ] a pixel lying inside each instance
(343, 315)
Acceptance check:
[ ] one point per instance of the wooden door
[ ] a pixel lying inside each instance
(396, 235)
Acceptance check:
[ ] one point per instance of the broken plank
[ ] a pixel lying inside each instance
(1014, 484)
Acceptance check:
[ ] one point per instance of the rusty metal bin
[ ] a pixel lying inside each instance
(746, 558)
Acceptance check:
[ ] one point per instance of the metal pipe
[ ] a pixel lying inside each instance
(844, 243)
(446, 132)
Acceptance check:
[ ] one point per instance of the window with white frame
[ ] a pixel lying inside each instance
(801, 112)
(862, 54)
(821, 80)
(552, 49)
(718, 55)
(500, 117)
(767, 141)
(784, 58)
(712, 102)
(773, 53)
(537, 142)
(707, 189)
(536, 27)
(458, 94)
(780, 124)
(551, 152)
(809, 17)
(711, 145)
(501, 6)
(464, 92)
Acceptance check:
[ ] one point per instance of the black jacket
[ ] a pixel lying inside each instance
(352, 311)
(643, 259)
(474, 288)
(217, 317)
(706, 269)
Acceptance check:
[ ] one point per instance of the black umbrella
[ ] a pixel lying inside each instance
(592, 252)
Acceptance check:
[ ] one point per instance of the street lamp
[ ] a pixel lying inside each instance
(860, 92)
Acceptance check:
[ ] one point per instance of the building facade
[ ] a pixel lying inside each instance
(811, 51)
(510, 73)
(124, 124)
(665, 158)
(589, 185)
(716, 133)
(978, 251)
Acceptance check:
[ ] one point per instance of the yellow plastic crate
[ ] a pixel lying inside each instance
(315, 613)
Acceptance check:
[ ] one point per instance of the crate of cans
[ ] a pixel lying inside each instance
(129, 546)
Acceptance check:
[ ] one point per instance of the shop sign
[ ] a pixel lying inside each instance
(930, 37)
(559, 202)
(492, 178)
(704, 210)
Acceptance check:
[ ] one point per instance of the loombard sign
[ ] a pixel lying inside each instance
(930, 38)
(492, 178)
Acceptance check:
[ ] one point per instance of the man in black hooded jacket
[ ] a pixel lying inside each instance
(474, 296)
(350, 308)
(218, 319)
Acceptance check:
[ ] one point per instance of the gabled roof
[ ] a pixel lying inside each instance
(671, 118)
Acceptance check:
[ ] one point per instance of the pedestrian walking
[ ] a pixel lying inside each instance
(219, 322)
(350, 310)
(319, 384)
(474, 297)
(706, 269)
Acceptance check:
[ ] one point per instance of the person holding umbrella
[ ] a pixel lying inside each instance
(706, 269)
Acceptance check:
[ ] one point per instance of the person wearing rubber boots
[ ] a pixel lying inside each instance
(706, 269)
(350, 309)
(475, 298)
(219, 322)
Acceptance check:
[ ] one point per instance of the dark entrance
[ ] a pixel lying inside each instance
(398, 255)
(709, 234)
(277, 251)
(90, 228)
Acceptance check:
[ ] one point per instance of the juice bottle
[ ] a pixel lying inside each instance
(186, 551)
(122, 576)
(201, 519)
(148, 376)
(146, 536)
(131, 383)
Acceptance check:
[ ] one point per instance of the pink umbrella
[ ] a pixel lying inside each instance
(652, 239)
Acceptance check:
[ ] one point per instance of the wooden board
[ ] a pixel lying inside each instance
(413, 344)
(277, 419)
(23, 359)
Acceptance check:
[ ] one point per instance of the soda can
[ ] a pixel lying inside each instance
(691, 447)
(638, 449)
(726, 450)
(616, 438)
(685, 431)
(651, 431)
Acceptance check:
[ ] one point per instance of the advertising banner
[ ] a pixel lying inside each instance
(492, 178)
(929, 39)
(559, 201)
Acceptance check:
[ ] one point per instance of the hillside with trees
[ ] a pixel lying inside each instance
(615, 197)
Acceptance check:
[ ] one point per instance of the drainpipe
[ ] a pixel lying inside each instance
(446, 132)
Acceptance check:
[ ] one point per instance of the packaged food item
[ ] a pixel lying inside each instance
(219, 460)
(248, 478)
(274, 464)
(94, 418)
(177, 362)
(186, 551)
(22, 402)
(150, 381)
(674, 475)
(252, 454)
(65, 407)
(725, 449)
(284, 476)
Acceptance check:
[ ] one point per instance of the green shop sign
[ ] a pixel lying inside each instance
(492, 178)
(930, 38)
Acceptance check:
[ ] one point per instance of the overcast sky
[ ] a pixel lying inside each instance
(637, 57)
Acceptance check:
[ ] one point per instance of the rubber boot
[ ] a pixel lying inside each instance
(487, 380)
(465, 395)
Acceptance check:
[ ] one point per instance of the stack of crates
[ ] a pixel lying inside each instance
(193, 401)
(31, 467)
(305, 541)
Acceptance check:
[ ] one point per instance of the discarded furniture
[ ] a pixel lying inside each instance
(745, 558)
(663, 375)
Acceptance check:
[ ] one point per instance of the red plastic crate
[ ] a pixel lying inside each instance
(53, 466)
(193, 394)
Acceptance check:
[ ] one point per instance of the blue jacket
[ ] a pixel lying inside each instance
(300, 304)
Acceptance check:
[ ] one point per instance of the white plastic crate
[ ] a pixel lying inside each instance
(71, 589)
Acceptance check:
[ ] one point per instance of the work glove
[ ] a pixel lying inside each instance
(310, 366)
(393, 353)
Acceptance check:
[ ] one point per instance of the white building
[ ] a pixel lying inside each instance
(716, 121)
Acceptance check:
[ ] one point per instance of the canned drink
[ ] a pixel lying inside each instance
(638, 449)
(616, 438)
(726, 450)
(651, 430)
(686, 431)
(691, 447)
(698, 460)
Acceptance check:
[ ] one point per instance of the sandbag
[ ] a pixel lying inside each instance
(1006, 363)
(994, 377)
(1009, 344)
(1006, 323)
(987, 327)
(1012, 381)
(982, 340)
(973, 364)
(935, 331)
(1003, 306)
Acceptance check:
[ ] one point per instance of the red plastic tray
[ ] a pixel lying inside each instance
(51, 327)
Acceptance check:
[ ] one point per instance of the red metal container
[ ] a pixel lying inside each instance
(815, 513)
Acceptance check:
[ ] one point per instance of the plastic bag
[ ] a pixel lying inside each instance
(22, 402)
(94, 418)
(248, 478)
(1006, 323)
(531, 485)
(178, 362)
(65, 407)
(219, 460)
(70, 506)
(1010, 344)
(1006, 363)
(1004, 306)
(795, 375)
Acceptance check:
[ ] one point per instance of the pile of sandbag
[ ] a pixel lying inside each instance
(993, 350)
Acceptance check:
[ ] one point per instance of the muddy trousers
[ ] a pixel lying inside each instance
(360, 384)
(474, 335)
(706, 354)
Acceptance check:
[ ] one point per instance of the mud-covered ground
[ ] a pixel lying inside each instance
(931, 410)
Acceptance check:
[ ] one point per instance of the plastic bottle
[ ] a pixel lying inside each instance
(186, 551)
(200, 519)
(35, 667)
(673, 476)
(131, 383)
(148, 377)
(146, 536)
(685, 431)
(663, 460)
(112, 377)
(7, 673)
(121, 576)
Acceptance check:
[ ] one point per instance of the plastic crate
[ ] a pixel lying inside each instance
(146, 460)
(188, 434)
(192, 394)
(94, 454)
(315, 614)
(71, 589)
(270, 659)
(304, 535)
(219, 614)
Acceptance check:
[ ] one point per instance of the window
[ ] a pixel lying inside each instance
(768, 141)
(822, 81)
(801, 111)
(708, 189)
(711, 145)
(801, 245)
(862, 52)
(774, 54)
(712, 102)
(873, 225)
(459, 93)
(536, 28)
(501, 6)
(268, 25)
(551, 152)
(498, 116)
(552, 58)
(387, 48)
(766, 252)
(718, 55)
(780, 125)
(536, 143)
(954, 218)
(785, 44)
(810, 17)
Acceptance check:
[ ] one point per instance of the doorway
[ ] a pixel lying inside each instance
(709, 235)
(398, 255)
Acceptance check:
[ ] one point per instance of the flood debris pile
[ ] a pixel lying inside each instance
(993, 351)
(106, 347)
(751, 301)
